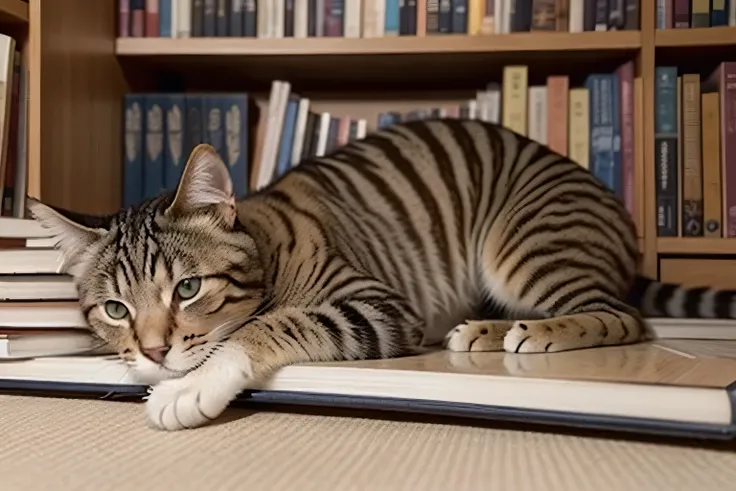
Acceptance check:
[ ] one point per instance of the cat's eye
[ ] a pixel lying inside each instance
(188, 288)
(115, 310)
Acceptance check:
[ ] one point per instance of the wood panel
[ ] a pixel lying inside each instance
(717, 273)
(75, 108)
(649, 264)
(13, 11)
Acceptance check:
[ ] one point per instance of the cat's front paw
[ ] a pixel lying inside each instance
(194, 400)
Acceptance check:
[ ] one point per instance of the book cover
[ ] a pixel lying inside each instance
(433, 17)
(152, 19)
(666, 146)
(557, 102)
(681, 14)
(165, 15)
(175, 156)
(445, 16)
(391, 20)
(209, 18)
(579, 134)
(701, 13)
(692, 178)
(221, 23)
(602, 165)
(124, 18)
(719, 12)
(237, 16)
(283, 160)
(137, 18)
(459, 17)
(334, 18)
(153, 152)
(632, 15)
(711, 144)
(197, 28)
(235, 150)
(514, 92)
(289, 18)
(134, 124)
(625, 75)
(544, 17)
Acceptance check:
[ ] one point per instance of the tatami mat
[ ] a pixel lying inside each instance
(60, 444)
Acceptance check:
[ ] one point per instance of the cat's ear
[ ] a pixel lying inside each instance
(205, 182)
(72, 238)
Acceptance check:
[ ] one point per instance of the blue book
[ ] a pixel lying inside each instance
(153, 146)
(391, 25)
(665, 150)
(460, 16)
(618, 166)
(235, 152)
(214, 126)
(134, 126)
(719, 13)
(283, 161)
(195, 122)
(600, 87)
(175, 155)
(164, 18)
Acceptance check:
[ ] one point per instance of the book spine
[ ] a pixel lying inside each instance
(236, 18)
(289, 18)
(537, 117)
(445, 17)
(234, 109)
(692, 178)
(514, 90)
(626, 83)
(214, 127)
(665, 129)
(197, 29)
(153, 154)
(134, 125)
(433, 16)
(616, 15)
(557, 95)
(174, 106)
(488, 23)
(222, 20)
(589, 11)
(312, 18)
(617, 170)
(521, 15)
(600, 87)
(681, 14)
(164, 17)
(123, 18)
(711, 144)
(194, 121)
(632, 15)
(601, 15)
(250, 18)
(562, 9)
(152, 19)
(728, 144)
(579, 134)
(459, 17)
(391, 20)
(334, 18)
(577, 16)
(719, 12)
(283, 160)
(700, 15)
(421, 18)
(353, 18)
(209, 28)
(307, 145)
(403, 20)
(544, 17)
(137, 18)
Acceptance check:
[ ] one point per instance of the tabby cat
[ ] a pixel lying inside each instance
(372, 251)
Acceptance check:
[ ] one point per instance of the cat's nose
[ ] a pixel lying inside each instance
(156, 354)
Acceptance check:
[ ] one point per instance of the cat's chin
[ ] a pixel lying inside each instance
(149, 373)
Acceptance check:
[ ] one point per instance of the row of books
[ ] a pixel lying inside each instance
(13, 128)
(686, 14)
(368, 18)
(695, 141)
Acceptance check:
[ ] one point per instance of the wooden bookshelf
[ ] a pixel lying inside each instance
(13, 11)
(80, 71)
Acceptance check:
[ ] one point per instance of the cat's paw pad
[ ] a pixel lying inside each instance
(475, 336)
(541, 336)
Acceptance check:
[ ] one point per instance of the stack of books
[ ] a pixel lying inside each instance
(39, 313)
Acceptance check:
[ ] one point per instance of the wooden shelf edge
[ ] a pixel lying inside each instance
(14, 11)
(695, 245)
(517, 42)
(707, 36)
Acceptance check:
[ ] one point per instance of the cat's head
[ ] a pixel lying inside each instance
(162, 283)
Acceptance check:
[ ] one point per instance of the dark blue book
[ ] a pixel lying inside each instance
(600, 87)
(134, 126)
(719, 12)
(445, 17)
(175, 151)
(153, 146)
(222, 21)
(618, 166)
(195, 122)
(235, 150)
(250, 19)
(164, 19)
(236, 18)
(460, 16)
(665, 150)
(283, 161)
(214, 126)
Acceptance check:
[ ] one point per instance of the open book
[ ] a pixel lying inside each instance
(669, 386)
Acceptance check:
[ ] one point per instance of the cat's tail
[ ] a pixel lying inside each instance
(655, 299)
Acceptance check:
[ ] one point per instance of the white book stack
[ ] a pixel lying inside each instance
(39, 313)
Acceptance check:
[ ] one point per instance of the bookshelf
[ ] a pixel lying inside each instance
(80, 71)
(13, 11)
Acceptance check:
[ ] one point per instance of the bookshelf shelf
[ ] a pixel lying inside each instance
(13, 11)
(696, 245)
(689, 38)
(425, 45)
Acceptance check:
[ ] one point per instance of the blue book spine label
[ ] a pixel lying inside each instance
(600, 87)
(164, 18)
(194, 121)
(235, 153)
(134, 125)
(283, 162)
(391, 26)
(214, 126)
(175, 155)
(153, 146)
(618, 169)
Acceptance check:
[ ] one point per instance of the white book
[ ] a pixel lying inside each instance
(183, 18)
(37, 287)
(324, 129)
(374, 15)
(670, 328)
(263, 19)
(505, 16)
(353, 18)
(300, 131)
(473, 109)
(42, 243)
(483, 105)
(537, 113)
(22, 228)
(276, 109)
(362, 129)
(732, 13)
(277, 18)
(60, 343)
(319, 18)
(21, 170)
(493, 97)
(576, 16)
(42, 315)
(30, 261)
(301, 18)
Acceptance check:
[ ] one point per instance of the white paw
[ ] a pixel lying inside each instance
(194, 400)
(476, 336)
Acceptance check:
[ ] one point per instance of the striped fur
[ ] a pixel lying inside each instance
(369, 252)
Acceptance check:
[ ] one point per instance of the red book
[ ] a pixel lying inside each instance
(333, 18)
(625, 75)
(682, 14)
(557, 92)
(152, 21)
(137, 18)
(124, 18)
